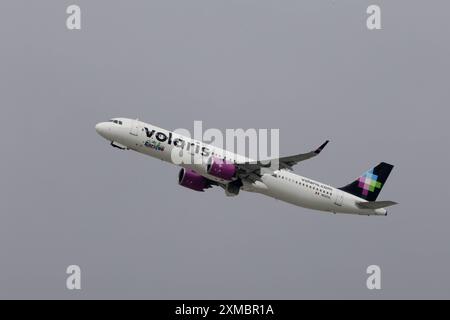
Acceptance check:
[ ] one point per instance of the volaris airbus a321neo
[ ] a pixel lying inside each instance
(234, 172)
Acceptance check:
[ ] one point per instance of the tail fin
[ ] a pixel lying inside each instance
(369, 185)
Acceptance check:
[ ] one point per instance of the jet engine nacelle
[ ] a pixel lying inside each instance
(221, 169)
(192, 180)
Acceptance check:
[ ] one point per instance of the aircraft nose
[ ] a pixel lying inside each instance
(102, 129)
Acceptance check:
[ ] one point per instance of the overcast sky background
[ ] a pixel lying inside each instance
(310, 68)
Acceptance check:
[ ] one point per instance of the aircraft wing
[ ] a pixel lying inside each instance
(283, 162)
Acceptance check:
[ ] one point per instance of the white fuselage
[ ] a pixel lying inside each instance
(280, 184)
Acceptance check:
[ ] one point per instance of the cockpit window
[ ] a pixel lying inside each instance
(116, 121)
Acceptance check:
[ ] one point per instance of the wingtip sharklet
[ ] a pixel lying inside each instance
(319, 149)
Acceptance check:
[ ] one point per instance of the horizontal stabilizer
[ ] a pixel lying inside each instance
(376, 204)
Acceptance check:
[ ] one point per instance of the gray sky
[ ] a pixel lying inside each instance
(310, 68)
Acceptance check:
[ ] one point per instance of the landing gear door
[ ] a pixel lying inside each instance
(339, 198)
(134, 127)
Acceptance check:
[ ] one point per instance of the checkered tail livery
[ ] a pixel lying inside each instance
(369, 185)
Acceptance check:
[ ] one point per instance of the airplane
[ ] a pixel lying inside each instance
(234, 172)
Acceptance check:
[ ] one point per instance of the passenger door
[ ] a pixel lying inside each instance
(134, 127)
(339, 198)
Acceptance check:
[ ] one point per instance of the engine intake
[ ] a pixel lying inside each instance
(220, 168)
(192, 180)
